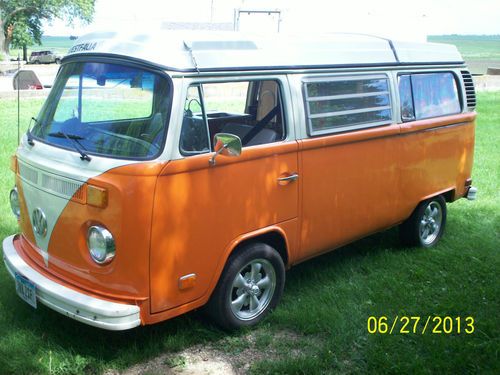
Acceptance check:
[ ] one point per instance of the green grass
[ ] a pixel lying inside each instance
(476, 47)
(326, 303)
(479, 51)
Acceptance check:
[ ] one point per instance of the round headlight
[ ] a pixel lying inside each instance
(101, 244)
(14, 202)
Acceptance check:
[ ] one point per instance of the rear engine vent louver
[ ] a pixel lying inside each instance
(469, 89)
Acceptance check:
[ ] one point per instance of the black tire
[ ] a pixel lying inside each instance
(426, 224)
(223, 304)
(57, 61)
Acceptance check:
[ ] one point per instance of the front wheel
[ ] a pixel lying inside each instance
(250, 286)
(426, 224)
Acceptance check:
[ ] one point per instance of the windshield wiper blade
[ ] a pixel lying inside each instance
(75, 139)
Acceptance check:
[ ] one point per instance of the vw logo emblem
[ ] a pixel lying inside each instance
(39, 222)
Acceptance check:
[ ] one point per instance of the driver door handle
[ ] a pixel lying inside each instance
(292, 177)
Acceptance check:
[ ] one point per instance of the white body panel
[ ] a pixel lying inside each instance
(215, 51)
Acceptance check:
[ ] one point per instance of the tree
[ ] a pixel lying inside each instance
(25, 34)
(21, 20)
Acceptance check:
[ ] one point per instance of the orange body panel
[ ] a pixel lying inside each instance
(346, 190)
(200, 210)
(362, 182)
(436, 156)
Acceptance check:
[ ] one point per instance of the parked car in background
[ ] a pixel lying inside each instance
(45, 57)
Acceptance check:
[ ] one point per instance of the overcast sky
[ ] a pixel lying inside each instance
(397, 19)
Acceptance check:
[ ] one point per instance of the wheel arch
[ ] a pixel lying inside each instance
(448, 194)
(274, 238)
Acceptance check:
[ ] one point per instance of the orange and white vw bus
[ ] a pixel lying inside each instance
(165, 173)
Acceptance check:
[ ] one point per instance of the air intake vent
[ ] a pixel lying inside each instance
(53, 184)
(469, 89)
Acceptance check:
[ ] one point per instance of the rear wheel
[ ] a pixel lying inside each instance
(426, 224)
(250, 286)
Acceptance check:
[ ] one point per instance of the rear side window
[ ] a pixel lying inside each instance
(427, 95)
(339, 104)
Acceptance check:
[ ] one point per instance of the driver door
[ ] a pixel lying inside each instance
(200, 209)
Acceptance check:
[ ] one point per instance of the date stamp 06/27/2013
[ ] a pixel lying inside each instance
(420, 325)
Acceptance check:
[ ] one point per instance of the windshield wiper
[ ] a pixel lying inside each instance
(75, 139)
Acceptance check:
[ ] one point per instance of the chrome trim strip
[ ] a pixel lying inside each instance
(76, 305)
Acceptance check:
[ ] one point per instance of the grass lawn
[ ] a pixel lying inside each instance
(321, 324)
(479, 51)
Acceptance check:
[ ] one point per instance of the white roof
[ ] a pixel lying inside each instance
(210, 51)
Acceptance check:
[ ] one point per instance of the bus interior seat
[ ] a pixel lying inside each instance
(265, 135)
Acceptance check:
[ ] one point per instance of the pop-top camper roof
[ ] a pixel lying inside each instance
(234, 51)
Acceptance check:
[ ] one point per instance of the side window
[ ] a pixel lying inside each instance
(252, 110)
(432, 95)
(347, 103)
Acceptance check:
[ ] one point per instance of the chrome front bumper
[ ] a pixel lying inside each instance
(79, 306)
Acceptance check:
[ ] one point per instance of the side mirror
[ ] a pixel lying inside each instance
(227, 145)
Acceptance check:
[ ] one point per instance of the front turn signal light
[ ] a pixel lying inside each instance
(13, 163)
(97, 196)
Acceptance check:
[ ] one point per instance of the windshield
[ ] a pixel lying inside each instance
(110, 109)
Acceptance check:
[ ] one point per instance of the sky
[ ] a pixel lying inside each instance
(401, 19)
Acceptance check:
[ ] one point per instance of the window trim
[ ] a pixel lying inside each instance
(346, 128)
(126, 62)
(201, 94)
(413, 118)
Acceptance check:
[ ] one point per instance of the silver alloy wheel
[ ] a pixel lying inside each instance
(430, 225)
(252, 289)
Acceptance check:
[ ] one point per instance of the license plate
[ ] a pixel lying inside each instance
(26, 290)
